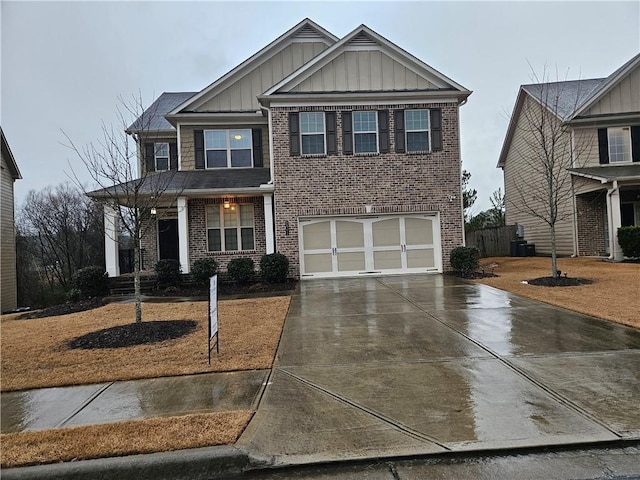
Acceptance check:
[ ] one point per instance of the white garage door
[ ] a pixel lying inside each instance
(342, 246)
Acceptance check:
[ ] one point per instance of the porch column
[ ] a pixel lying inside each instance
(111, 259)
(268, 222)
(615, 222)
(183, 234)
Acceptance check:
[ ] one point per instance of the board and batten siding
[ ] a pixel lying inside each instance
(8, 292)
(519, 176)
(365, 70)
(623, 97)
(242, 95)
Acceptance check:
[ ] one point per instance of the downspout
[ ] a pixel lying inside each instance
(610, 192)
(573, 199)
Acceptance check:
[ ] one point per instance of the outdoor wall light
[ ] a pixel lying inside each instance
(286, 227)
(153, 210)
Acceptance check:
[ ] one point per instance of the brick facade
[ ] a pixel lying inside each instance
(591, 216)
(149, 245)
(390, 182)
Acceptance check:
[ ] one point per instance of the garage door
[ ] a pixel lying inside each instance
(343, 246)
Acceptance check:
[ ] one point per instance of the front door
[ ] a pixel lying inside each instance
(168, 239)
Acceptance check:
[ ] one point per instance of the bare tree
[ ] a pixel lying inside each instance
(137, 195)
(545, 151)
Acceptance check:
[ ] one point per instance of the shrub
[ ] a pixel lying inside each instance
(90, 282)
(629, 240)
(203, 269)
(465, 260)
(241, 269)
(274, 267)
(168, 271)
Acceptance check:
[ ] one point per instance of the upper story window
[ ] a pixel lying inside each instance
(230, 229)
(228, 148)
(161, 156)
(417, 130)
(312, 133)
(365, 132)
(619, 144)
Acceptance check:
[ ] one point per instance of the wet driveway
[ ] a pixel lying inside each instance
(375, 367)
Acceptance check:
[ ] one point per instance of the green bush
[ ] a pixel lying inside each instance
(168, 272)
(465, 260)
(274, 268)
(90, 282)
(629, 240)
(241, 269)
(203, 269)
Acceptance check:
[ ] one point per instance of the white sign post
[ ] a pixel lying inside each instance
(213, 314)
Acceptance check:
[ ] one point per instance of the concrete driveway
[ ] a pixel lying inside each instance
(405, 365)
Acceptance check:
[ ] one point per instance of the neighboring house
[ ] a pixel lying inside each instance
(600, 158)
(342, 154)
(10, 174)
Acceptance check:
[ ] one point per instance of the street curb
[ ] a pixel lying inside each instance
(192, 464)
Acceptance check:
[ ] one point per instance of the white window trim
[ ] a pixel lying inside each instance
(627, 131)
(228, 149)
(238, 227)
(354, 133)
(155, 156)
(323, 132)
(407, 131)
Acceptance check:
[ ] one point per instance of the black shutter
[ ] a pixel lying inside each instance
(198, 141)
(173, 156)
(436, 129)
(150, 157)
(347, 134)
(332, 140)
(635, 143)
(294, 134)
(383, 130)
(399, 121)
(256, 136)
(603, 145)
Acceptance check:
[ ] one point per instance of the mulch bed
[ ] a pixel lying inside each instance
(134, 334)
(559, 282)
(64, 309)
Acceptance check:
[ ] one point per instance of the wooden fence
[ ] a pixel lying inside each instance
(492, 242)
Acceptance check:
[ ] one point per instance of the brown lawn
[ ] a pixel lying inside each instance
(614, 294)
(34, 354)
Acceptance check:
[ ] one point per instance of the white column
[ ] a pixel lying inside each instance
(268, 222)
(112, 262)
(615, 222)
(183, 233)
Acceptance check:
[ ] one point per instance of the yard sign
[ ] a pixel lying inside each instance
(213, 314)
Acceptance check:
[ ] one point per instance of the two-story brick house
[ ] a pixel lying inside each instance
(597, 151)
(342, 154)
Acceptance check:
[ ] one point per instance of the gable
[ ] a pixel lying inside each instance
(623, 97)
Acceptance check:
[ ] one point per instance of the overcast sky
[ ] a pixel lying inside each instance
(64, 64)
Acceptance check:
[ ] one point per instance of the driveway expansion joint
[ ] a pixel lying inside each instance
(84, 405)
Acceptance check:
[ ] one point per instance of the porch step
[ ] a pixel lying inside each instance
(123, 285)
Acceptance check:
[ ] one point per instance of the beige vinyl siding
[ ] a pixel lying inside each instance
(520, 178)
(364, 70)
(188, 149)
(8, 294)
(241, 95)
(586, 145)
(623, 97)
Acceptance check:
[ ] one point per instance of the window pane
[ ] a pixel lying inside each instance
(417, 142)
(230, 239)
(416, 120)
(365, 143)
(247, 238)
(230, 218)
(213, 237)
(216, 158)
(213, 217)
(246, 215)
(364, 121)
(240, 138)
(312, 144)
(162, 163)
(312, 122)
(162, 149)
(240, 158)
(619, 145)
(215, 139)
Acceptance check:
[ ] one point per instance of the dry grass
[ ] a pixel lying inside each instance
(614, 294)
(34, 352)
(126, 438)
